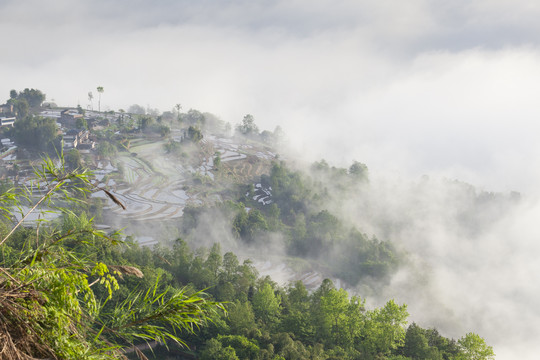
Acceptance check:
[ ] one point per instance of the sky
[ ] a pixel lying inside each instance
(416, 87)
(447, 89)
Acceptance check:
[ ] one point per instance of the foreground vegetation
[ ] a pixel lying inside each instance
(56, 282)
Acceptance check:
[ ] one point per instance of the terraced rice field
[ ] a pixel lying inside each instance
(156, 186)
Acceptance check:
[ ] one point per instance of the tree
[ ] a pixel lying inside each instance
(178, 107)
(34, 97)
(73, 159)
(241, 318)
(136, 109)
(194, 117)
(21, 108)
(144, 122)
(91, 98)
(243, 347)
(266, 304)
(36, 132)
(359, 170)
(417, 345)
(80, 123)
(217, 160)
(100, 91)
(194, 134)
(248, 126)
(384, 328)
(333, 308)
(473, 347)
(214, 260)
(214, 350)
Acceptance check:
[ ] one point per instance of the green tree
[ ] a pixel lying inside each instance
(33, 97)
(106, 149)
(21, 108)
(473, 347)
(248, 126)
(297, 317)
(36, 132)
(214, 350)
(333, 307)
(73, 159)
(144, 122)
(359, 171)
(241, 318)
(80, 123)
(194, 117)
(417, 346)
(384, 329)
(214, 260)
(194, 134)
(266, 304)
(243, 347)
(217, 160)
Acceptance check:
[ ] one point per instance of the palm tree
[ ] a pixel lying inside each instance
(100, 91)
(90, 98)
(178, 108)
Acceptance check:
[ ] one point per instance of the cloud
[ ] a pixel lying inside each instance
(407, 88)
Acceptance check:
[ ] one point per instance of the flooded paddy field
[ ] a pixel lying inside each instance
(156, 186)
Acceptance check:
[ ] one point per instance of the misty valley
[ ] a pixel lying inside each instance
(175, 235)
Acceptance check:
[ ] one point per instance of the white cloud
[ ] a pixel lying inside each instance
(408, 88)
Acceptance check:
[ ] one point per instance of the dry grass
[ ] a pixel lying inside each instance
(19, 306)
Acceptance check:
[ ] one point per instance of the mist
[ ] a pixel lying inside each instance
(470, 258)
(423, 88)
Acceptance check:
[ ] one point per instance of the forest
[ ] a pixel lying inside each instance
(70, 289)
(50, 306)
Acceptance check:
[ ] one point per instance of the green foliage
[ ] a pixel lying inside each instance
(107, 149)
(158, 314)
(249, 225)
(417, 345)
(144, 122)
(217, 160)
(36, 132)
(33, 97)
(214, 350)
(80, 123)
(248, 126)
(73, 159)
(194, 117)
(194, 134)
(243, 347)
(473, 347)
(57, 300)
(359, 171)
(20, 107)
(266, 304)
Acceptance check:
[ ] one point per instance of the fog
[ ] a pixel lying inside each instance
(447, 90)
(471, 258)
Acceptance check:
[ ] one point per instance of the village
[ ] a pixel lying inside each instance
(155, 173)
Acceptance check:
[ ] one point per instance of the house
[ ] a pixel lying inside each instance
(68, 116)
(7, 121)
(77, 139)
(6, 109)
(70, 141)
(89, 145)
